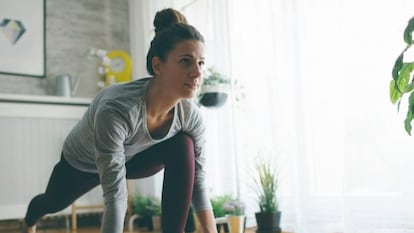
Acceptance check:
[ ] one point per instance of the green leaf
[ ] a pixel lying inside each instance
(409, 88)
(395, 93)
(407, 122)
(410, 114)
(404, 76)
(408, 32)
(397, 66)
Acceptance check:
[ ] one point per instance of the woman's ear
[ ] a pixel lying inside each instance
(156, 64)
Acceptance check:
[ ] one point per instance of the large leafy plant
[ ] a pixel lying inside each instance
(402, 79)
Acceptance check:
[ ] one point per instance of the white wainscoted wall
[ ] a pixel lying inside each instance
(32, 131)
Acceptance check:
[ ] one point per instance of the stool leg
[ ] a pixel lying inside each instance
(131, 222)
(74, 219)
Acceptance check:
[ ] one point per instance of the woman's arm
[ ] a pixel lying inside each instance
(111, 129)
(207, 221)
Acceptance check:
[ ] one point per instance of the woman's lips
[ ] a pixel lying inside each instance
(192, 85)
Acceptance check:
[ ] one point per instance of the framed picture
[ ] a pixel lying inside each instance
(22, 37)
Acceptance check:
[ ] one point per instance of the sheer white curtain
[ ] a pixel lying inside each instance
(316, 76)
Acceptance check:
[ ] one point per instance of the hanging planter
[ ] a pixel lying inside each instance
(215, 89)
(214, 95)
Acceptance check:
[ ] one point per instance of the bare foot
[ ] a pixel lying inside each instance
(31, 229)
(27, 229)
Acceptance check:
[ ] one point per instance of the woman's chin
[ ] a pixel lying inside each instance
(189, 95)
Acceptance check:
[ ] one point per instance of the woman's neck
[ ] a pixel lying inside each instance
(159, 103)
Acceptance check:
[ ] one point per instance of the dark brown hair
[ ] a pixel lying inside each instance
(171, 27)
(164, 18)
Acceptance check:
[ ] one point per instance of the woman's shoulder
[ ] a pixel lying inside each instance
(126, 93)
(132, 87)
(189, 113)
(124, 97)
(189, 106)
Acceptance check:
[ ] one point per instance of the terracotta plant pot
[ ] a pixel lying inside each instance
(236, 224)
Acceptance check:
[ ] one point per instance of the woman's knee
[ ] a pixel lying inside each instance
(182, 146)
(183, 142)
(56, 204)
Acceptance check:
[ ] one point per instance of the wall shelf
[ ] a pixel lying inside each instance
(45, 99)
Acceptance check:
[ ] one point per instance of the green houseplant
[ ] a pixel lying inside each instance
(402, 78)
(217, 204)
(268, 217)
(148, 208)
(215, 88)
(229, 213)
(236, 221)
(234, 207)
(224, 205)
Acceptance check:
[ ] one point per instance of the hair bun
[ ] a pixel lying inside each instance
(167, 17)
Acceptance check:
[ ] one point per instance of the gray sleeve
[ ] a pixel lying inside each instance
(111, 128)
(195, 127)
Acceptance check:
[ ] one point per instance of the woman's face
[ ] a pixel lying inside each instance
(182, 71)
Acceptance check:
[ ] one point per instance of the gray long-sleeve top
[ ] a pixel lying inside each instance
(113, 130)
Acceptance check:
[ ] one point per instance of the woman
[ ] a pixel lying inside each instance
(136, 129)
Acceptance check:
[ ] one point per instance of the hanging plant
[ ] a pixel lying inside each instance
(402, 77)
(214, 89)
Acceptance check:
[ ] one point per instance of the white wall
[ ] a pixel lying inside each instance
(31, 140)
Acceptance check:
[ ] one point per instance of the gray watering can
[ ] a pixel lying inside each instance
(65, 86)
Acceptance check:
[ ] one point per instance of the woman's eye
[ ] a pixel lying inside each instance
(201, 63)
(186, 61)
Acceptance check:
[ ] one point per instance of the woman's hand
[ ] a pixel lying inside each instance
(207, 221)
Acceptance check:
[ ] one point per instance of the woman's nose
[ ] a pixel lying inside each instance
(197, 71)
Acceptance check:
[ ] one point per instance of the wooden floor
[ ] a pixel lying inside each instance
(93, 230)
(80, 230)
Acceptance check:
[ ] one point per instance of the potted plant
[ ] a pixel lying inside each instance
(229, 213)
(268, 217)
(217, 203)
(148, 208)
(233, 206)
(402, 79)
(234, 210)
(214, 89)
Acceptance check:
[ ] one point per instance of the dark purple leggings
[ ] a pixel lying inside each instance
(176, 155)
